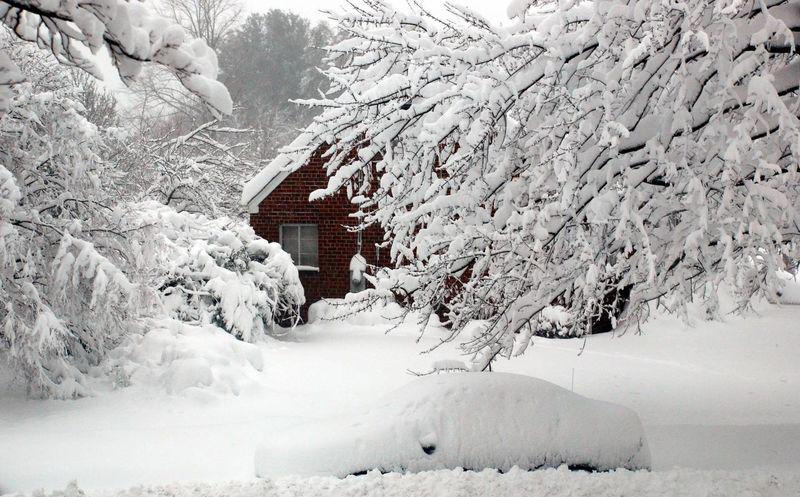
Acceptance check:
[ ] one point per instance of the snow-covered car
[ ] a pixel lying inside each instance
(789, 292)
(464, 420)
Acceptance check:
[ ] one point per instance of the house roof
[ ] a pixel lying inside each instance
(273, 174)
(263, 183)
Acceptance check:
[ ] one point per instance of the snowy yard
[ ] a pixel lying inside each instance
(570, 167)
(716, 396)
(455, 483)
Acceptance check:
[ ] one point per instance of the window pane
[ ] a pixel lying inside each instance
(309, 259)
(308, 245)
(289, 241)
(301, 242)
(308, 236)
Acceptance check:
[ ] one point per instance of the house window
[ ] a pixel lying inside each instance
(300, 241)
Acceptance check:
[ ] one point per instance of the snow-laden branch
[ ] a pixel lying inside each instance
(73, 29)
(589, 151)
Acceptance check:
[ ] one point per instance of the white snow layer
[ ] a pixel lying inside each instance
(185, 358)
(360, 309)
(353, 310)
(716, 397)
(455, 483)
(463, 420)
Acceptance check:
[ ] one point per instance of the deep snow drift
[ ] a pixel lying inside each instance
(463, 420)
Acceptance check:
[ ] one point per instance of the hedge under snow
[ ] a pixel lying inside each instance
(218, 271)
(466, 420)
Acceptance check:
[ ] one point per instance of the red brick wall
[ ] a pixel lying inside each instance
(289, 203)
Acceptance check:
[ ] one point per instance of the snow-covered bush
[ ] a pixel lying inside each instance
(578, 152)
(182, 358)
(356, 310)
(463, 420)
(366, 309)
(218, 271)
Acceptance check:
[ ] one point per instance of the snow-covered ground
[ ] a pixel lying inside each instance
(516, 483)
(713, 396)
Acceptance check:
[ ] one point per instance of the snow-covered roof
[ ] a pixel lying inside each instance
(273, 174)
(263, 183)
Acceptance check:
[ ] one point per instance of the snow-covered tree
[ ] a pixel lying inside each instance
(210, 20)
(586, 150)
(201, 170)
(70, 29)
(65, 294)
(99, 104)
(283, 51)
(175, 152)
(64, 297)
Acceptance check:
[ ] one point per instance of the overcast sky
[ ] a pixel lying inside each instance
(493, 9)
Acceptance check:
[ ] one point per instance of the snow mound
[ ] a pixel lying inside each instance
(180, 357)
(365, 309)
(354, 311)
(464, 420)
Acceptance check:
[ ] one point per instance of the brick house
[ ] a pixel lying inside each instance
(314, 233)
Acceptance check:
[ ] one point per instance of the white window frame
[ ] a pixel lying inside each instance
(298, 226)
